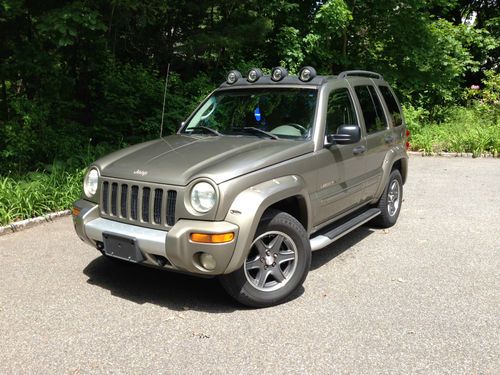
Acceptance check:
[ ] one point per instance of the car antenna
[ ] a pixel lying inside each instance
(164, 98)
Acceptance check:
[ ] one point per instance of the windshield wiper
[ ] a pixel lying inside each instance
(213, 131)
(260, 131)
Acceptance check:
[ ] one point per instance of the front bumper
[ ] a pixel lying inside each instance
(172, 249)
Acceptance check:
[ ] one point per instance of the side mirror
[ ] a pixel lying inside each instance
(346, 134)
(181, 125)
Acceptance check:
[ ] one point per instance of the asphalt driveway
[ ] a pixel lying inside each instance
(422, 297)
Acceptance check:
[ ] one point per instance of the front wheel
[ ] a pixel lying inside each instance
(277, 263)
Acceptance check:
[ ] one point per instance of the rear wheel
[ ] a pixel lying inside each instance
(277, 263)
(390, 201)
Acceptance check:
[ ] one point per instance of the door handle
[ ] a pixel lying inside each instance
(358, 150)
(389, 139)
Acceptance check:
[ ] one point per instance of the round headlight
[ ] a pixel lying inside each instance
(278, 74)
(203, 197)
(253, 75)
(233, 76)
(90, 182)
(307, 73)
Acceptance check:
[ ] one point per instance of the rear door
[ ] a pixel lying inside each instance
(395, 114)
(377, 132)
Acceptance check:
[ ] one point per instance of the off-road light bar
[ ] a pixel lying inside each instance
(307, 73)
(233, 76)
(254, 74)
(278, 73)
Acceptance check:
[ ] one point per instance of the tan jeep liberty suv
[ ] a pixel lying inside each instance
(266, 170)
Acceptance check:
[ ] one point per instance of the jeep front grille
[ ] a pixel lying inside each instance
(145, 204)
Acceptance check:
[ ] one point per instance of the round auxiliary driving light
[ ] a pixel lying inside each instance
(278, 74)
(233, 76)
(254, 74)
(307, 73)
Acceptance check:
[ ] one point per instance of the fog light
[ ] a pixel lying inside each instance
(208, 261)
(278, 74)
(307, 73)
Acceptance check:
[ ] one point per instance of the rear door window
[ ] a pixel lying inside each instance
(371, 107)
(392, 105)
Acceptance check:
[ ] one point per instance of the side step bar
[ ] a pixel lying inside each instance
(327, 238)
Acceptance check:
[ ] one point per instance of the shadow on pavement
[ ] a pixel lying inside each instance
(175, 291)
(183, 292)
(323, 256)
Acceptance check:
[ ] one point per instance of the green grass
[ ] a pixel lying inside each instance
(475, 130)
(38, 193)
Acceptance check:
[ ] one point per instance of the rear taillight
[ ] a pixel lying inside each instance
(407, 139)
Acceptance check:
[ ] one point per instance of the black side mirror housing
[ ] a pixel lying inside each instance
(346, 134)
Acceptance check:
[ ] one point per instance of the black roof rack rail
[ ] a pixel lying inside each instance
(360, 73)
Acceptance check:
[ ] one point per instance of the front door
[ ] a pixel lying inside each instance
(340, 177)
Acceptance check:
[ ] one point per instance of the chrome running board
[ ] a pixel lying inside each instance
(325, 239)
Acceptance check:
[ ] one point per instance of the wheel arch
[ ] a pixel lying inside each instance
(393, 160)
(295, 206)
(402, 166)
(250, 205)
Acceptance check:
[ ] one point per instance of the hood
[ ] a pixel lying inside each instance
(178, 159)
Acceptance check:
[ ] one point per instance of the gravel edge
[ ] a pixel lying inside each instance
(450, 154)
(28, 223)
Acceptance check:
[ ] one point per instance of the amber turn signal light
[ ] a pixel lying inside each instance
(75, 211)
(212, 238)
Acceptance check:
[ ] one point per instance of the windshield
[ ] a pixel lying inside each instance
(278, 112)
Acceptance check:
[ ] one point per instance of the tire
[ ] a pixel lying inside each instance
(390, 202)
(276, 266)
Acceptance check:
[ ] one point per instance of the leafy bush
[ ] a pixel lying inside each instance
(475, 129)
(37, 193)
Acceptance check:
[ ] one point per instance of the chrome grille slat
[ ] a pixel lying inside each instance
(105, 188)
(109, 198)
(114, 198)
(139, 205)
(151, 205)
(123, 200)
(146, 195)
(157, 206)
(133, 202)
(171, 201)
(129, 199)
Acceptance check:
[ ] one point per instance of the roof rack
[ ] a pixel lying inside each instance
(360, 73)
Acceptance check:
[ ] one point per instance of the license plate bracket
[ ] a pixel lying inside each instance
(122, 247)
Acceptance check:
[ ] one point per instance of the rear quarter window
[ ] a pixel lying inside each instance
(371, 107)
(392, 105)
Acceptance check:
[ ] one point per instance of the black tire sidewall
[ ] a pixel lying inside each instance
(240, 288)
(385, 219)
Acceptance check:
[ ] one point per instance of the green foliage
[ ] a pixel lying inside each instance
(37, 193)
(489, 94)
(474, 129)
(471, 130)
(291, 48)
(67, 25)
(79, 78)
